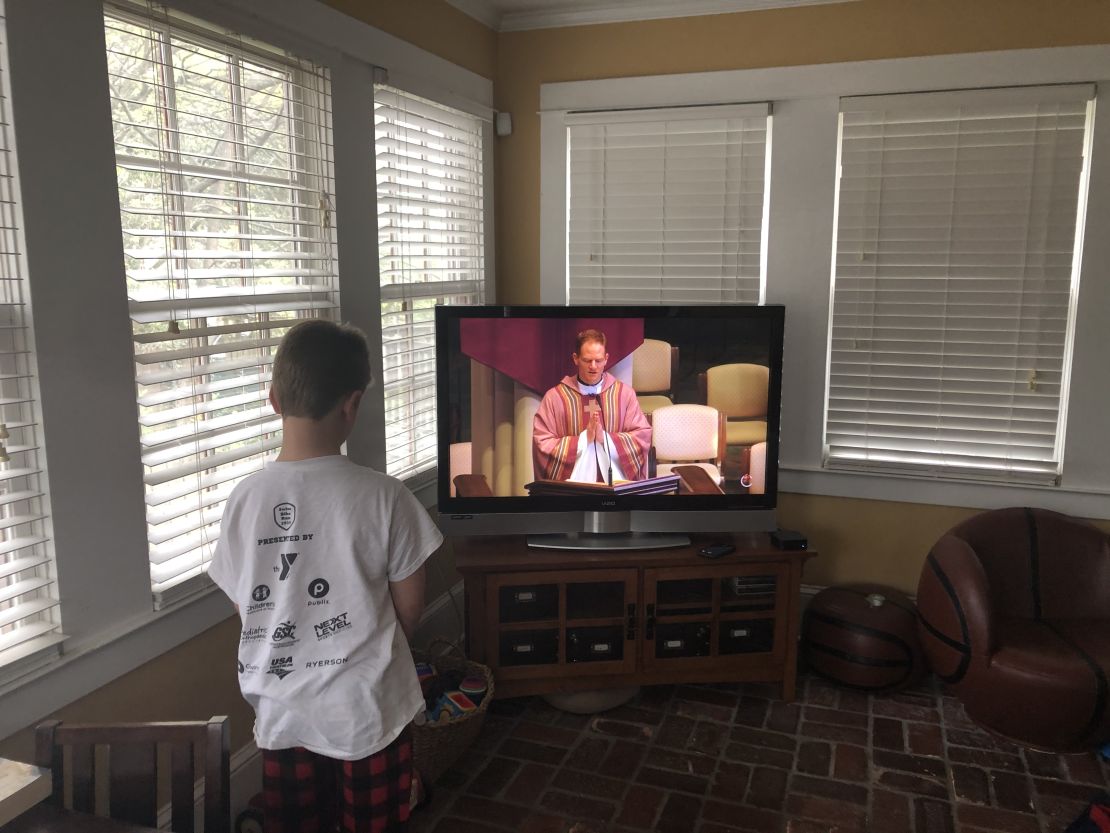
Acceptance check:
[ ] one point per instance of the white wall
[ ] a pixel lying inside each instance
(63, 132)
(805, 102)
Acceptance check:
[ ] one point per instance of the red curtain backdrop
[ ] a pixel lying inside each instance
(536, 352)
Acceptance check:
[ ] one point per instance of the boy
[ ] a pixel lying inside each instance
(324, 560)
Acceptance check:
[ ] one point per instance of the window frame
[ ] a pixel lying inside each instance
(805, 101)
(88, 384)
(171, 31)
(918, 460)
(597, 204)
(420, 474)
(42, 648)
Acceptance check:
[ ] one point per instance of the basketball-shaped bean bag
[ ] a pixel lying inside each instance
(863, 636)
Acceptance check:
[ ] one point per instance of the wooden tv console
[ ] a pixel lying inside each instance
(555, 621)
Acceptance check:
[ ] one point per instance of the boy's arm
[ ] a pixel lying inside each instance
(408, 601)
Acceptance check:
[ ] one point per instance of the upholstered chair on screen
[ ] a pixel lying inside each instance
(687, 435)
(757, 469)
(461, 461)
(1014, 616)
(654, 368)
(739, 391)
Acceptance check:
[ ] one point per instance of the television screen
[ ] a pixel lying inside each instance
(559, 409)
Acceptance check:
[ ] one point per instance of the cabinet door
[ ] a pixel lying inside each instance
(577, 622)
(728, 614)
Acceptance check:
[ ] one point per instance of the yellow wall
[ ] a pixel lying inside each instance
(858, 31)
(192, 682)
(433, 25)
(859, 540)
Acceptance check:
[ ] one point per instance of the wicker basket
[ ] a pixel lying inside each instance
(436, 745)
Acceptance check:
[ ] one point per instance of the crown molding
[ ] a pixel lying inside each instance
(481, 10)
(614, 11)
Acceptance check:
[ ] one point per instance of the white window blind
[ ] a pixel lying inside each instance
(224, 162)
(431, 249)
(29, 616)
(954, 282)
(667, 206)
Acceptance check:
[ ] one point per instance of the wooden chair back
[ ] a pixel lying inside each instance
(132, 776)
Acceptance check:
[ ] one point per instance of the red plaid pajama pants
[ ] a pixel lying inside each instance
(309, 793)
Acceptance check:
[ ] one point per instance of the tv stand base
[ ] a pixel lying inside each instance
(609, 540)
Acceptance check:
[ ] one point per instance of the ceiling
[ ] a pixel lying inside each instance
(516, 15)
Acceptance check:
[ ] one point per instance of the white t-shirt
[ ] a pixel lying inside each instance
(307, 550)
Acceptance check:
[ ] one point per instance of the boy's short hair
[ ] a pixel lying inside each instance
(317, 364)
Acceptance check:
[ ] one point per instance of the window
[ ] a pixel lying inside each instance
(431, 248)
(29, 620)
(667, 206)
(224, 163)
(955, 278)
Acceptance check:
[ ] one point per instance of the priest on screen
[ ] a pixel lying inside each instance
(589, 428)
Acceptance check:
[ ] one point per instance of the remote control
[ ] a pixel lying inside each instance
(716, 550)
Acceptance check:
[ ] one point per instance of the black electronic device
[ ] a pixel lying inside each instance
(716, 550)
(495, 364)
(788, 539)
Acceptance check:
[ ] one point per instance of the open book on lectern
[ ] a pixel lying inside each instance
(666, 484)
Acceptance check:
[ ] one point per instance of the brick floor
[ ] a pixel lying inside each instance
(734, 758)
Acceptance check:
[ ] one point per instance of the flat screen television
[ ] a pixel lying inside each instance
(607, 427)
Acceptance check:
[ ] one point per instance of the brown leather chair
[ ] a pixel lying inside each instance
(1014, 615)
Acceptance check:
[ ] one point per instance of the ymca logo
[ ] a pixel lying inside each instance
(284, 635)
(287, 559)
(331, 627)
(285, 514)
(281, 667)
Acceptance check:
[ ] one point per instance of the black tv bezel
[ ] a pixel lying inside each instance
(772, 314)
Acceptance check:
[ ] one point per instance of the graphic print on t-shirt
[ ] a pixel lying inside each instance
(285, 635)
(342, 522)
(260, 596)
(284, 515)
(281, 667)
(287, 559)
(330, 627)
(318, 588)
